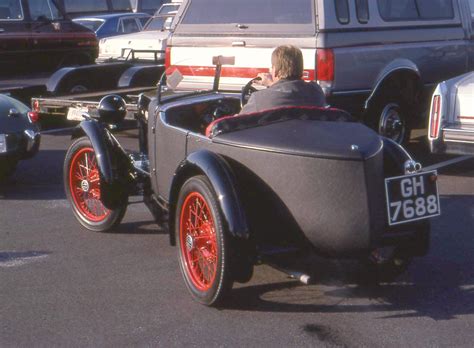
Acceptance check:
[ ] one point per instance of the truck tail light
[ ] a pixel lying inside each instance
(36, 106)
(33, 116)
(435, 116)
(167, 57)
(325, 69)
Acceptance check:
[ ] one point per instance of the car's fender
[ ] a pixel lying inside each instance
(222, 180)
(395, 67)
(112, 163)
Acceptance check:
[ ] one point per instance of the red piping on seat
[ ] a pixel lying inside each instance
(252, 114)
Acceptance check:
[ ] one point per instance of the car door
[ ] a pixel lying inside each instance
(47, 32)
(14, 37)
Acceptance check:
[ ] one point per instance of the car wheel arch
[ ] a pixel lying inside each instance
(397, 70)
(219, 173)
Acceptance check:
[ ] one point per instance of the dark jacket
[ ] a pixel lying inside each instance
(285, 93)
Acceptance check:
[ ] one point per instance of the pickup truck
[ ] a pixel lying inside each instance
(378, 59)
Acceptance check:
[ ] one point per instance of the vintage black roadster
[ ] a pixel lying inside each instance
(237, 190)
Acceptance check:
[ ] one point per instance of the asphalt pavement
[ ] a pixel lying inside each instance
(61, 285)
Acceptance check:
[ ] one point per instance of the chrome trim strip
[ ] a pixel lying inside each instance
(360, 91)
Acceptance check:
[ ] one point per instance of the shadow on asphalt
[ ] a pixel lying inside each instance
(39, 178)
(439, 285)
(138, 227)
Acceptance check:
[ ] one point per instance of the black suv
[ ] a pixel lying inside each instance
(36, 36)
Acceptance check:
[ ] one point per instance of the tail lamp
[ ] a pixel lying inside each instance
(325, 68)
(435, 116)
(36, 106)
(33, 116)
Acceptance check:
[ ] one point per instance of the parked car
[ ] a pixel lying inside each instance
(35, 35)
(238, 190)
(114, 24)
(451, 126)
(149, 44)
(378, 59)
(19, 134)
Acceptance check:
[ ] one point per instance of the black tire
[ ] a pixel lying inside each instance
(7, 167)
(83, 189)
(208, 278)
(391, 116)
(77, 87)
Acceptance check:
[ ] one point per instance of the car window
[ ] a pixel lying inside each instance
(129, 25)
(158, 23)
(471, 5)
(397, 10)
(43, 9)
(342, 11)
(168, 8)
(143, 20)
(93, 25)
(362, 11)
(11, 10)
(85, 5)
(122, 5)
(249, 12)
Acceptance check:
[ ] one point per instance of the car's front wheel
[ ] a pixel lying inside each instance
(201, 240)
(82, 186)
(7, 167)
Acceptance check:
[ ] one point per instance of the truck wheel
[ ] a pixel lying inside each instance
(76, 86)
(389, 117)
(82, 186)
(201, 241)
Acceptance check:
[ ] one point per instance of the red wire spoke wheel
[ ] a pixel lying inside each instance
(82, 186)
(84, 183)
(201, 242)
(198, 241)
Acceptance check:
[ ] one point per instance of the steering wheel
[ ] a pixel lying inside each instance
(247, 90)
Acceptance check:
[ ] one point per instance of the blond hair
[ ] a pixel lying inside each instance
(288, 62)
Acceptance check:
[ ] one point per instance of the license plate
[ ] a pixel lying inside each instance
(75, 114)
(412, 197)
(3, 143)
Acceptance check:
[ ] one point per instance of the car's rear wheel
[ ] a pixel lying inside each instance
(201, 240)
(82, 186)
(7, 167)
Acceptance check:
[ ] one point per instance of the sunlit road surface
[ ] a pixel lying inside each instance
(61, 285)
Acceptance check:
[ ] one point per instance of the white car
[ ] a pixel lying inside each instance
(148, 44)
(451, 126)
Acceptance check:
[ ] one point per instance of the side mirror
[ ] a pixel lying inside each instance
(112, 109)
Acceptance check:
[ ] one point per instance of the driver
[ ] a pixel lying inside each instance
(285, 84)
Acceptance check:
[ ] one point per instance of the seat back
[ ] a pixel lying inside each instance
(228, 124)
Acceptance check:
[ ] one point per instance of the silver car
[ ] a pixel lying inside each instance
(451, 126)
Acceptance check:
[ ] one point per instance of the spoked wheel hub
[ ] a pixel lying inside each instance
(198, 241)
(84, 184)
(391, 123)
